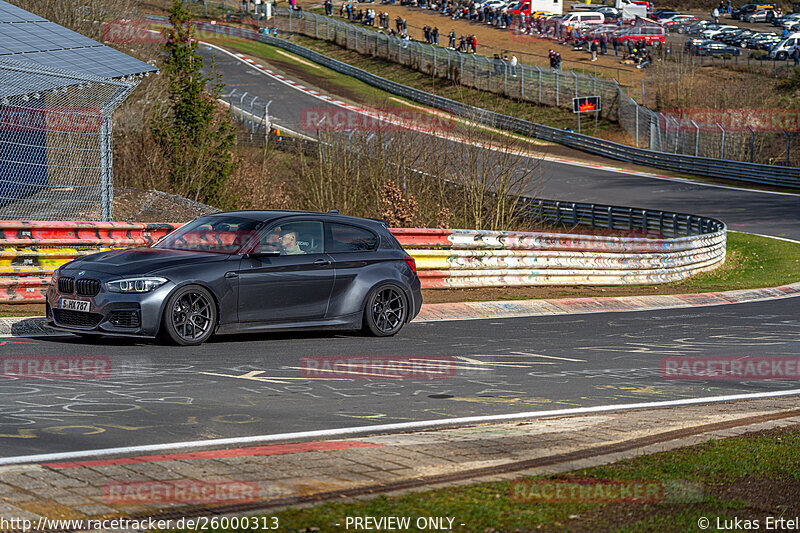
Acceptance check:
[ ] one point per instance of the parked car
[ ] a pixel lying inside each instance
(784, 48)
(760, 15)
(650, 35)
(712, 32)
(745, 10)
(737, 40)
(242, 271)
(715, 48)
(778, 21)
(660, 14)
(610, 13)
(691, 45)
(675, 20)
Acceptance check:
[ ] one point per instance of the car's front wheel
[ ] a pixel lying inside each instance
(190, 316)
(385, 310)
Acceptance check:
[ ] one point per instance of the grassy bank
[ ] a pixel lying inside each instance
(748, 478)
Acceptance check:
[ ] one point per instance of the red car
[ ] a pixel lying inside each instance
(649, 34)
(678, 19)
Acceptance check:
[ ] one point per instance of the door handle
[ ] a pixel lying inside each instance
(230, 275)
(322, 263)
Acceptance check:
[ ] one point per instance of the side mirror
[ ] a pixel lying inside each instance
(265, 249)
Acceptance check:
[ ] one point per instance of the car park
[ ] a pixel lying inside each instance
(712, 32)
(242, 271)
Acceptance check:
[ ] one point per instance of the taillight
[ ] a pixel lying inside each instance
(410, 262)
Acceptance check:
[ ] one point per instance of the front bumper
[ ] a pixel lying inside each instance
(110, 313)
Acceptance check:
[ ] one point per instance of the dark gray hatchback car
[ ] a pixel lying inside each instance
(242, 271)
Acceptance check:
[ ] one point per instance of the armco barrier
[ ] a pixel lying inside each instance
(782, 176)
(446, 258)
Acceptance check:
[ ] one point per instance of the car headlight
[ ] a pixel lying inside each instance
(135, 285)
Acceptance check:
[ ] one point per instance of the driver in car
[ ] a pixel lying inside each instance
(288, 243)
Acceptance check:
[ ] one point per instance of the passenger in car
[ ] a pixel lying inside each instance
(288, 243)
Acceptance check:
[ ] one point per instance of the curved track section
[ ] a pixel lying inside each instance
(771, 213)
(251, 386)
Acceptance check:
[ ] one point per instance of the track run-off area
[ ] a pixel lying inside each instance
(254, 387)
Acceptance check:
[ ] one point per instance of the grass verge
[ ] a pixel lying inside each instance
(751, 262)
(745, 478)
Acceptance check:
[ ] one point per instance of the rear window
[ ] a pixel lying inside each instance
(346, 238)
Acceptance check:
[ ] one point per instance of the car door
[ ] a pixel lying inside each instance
(293, 286)
(353, 249)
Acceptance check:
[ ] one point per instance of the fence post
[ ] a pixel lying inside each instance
(722, 145)
(106, 169)
(788, 145)
(752, 142)
(637, 124)
(677, 134)
(540, 84)
(557, 84)
(522, 82)
(696, 138)
(576, 83)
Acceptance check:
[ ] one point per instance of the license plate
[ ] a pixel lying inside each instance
(73, 305)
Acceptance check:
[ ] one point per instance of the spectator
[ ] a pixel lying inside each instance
(474, 43)
(514, 65)
(715, 15)
(329, 7)
(435, 35)
(452, 42)
(796, 56)
(615, 43)
(604, 43)
(593, 47)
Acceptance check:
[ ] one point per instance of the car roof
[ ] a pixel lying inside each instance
(268, 215)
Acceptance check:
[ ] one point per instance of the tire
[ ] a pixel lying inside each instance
(385, 311)
(781, 56)
(190, 316)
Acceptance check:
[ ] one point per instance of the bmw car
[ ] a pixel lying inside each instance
(242, 271)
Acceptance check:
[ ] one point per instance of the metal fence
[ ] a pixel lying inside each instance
(55, 142)
(645, 127)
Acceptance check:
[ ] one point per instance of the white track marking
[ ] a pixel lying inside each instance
(296, 86)
(384, 428)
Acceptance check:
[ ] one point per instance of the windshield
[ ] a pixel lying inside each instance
(214, 234)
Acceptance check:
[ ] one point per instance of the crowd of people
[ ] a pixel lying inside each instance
(580, 37)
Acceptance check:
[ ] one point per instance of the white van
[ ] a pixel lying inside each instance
(785, 48)
(584, 17)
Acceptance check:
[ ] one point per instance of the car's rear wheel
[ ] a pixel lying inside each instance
(781, 56)
(385, 310)
(190, 316)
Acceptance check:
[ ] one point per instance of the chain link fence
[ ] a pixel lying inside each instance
(55, 142)
(646, 128)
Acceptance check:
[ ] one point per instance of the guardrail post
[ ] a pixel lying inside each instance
(674, 225)
(644, 221)
(630, 219)
(593, 216)
(610, 218)
(661, 223)
(574, 214)
(558, 212)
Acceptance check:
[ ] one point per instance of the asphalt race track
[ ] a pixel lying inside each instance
(255, 385)
(743, 210)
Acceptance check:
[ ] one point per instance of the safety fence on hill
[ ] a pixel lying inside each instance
(446, 258)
